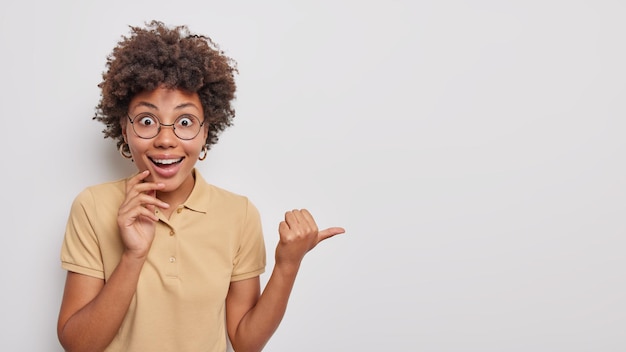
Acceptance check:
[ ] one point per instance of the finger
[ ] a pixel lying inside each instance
(147, 187)
(297, 214)
(307, 217)
(306, 222)
(136, 213)
(150, 199)
(283, 227)
(138, 178)
(290, 218)
(149, 206)
(330, 232)
(143, 200)
(148, 213)
(139, 182)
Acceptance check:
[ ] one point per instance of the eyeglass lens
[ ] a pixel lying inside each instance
(148, 126)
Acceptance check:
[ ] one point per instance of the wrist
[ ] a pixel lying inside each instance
(134, 256)
(286, 267)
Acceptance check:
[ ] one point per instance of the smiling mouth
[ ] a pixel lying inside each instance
(166, 162)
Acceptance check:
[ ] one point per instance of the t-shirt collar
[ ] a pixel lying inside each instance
(197, 199)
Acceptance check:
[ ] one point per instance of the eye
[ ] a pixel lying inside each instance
(146, 121)
(186, 121)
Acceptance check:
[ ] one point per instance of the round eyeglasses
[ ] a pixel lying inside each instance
(147, 126)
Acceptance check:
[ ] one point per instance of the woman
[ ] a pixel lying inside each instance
(162, 260)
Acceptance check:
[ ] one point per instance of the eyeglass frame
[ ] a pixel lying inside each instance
(161, 124)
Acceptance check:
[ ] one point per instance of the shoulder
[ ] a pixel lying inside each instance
(223, 203)
(217, 191)
(106, 188)
(103, 193)
(207, 192)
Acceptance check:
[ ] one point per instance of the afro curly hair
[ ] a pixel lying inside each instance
(158, 55)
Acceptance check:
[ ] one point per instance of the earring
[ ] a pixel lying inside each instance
(125, 151)
(204, 152)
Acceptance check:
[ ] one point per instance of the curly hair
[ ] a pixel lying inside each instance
(157, 56)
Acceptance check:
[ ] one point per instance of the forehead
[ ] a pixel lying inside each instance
(165, 99)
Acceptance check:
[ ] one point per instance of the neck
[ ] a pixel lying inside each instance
(179, 195)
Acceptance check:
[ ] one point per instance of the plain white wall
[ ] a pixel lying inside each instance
(473, 150)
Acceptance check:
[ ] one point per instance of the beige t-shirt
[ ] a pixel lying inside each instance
(214, 238)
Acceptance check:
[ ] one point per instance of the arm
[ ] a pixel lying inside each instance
(251, 320)
(92, 310)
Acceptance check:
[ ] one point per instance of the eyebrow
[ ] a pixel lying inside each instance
(146, 104)
(185, 105)
(154, 107)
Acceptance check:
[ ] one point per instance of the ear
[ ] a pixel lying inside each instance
(205, 132)
(123, 124)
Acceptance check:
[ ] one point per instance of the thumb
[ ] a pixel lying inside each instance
(329, 232)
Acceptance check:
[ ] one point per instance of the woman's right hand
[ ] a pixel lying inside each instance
(136, 217)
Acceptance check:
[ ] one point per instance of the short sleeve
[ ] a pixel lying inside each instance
(80, 251)
(250, 258)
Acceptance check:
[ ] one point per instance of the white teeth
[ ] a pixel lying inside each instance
(166, 161)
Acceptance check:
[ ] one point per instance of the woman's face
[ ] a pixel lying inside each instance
(169, 158)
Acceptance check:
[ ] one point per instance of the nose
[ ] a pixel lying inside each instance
(166, 136)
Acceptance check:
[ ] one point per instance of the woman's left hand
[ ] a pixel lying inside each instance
(298, 235)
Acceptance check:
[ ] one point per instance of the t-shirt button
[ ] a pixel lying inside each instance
(172, 259)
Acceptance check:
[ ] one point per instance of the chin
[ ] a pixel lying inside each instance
(169, 186)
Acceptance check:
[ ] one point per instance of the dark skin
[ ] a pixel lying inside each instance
(92, 309)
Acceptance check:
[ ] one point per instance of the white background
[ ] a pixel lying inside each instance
(473, 150)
